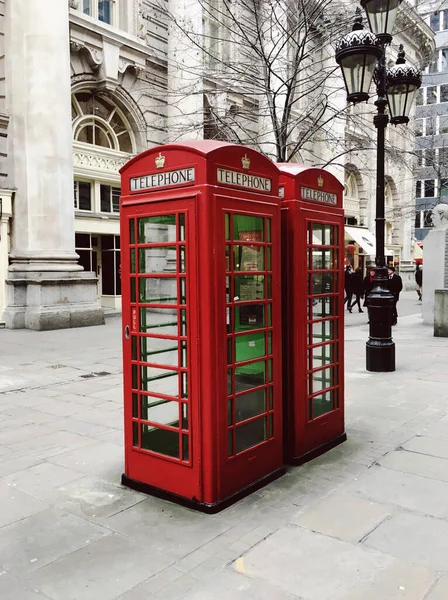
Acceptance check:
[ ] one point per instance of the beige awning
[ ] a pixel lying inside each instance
(365, 239)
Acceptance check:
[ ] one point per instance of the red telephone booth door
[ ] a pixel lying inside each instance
(251, 415)
(324, 381)
(161, 419)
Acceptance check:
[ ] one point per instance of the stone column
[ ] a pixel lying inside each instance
(5, 217)
(435, 270)
(441, 313)
(47, 288)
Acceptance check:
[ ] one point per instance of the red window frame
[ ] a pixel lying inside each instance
(334, 320)
(181, 309)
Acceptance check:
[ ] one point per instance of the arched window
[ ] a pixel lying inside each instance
(351, 199)
(98, 122)
(388, 197)
(351, 185)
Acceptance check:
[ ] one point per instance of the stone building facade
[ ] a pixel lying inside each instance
(88, 83)
(431, 125)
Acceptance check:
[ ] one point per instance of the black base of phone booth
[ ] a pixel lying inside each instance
(210, 509)
(301, 460)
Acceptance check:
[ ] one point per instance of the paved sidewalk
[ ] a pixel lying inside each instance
(366, 521)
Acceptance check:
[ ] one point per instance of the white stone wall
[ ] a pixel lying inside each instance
(3, 109)
(6, 194)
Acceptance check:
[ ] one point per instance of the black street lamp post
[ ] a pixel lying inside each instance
(362, 57)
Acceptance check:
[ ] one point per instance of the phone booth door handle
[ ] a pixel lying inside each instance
(127, 332)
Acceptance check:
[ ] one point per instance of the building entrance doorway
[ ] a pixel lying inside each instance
(101, 254)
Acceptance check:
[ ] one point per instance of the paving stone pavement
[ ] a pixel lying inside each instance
(366, 521)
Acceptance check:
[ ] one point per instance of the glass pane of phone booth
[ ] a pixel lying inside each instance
(249, 331)
(159, 303)
(323, 318)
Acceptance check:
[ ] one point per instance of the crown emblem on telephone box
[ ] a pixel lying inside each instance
(160, 161)
(320, 181)
(245, 162)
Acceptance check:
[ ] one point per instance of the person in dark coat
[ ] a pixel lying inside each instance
(348, 285)
(395, 286)
(419, 280)
(358, 289)
(368, 286)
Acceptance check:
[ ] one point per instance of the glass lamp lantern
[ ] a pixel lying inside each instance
(357, 54)
(381, 15)
(403, 81)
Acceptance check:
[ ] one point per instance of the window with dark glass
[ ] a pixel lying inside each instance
(419, 156)
(427, 218)
(443, 193)
(430, 126)
(443, 124)
(431, 94)
(418, 127)
(443, 157)
(418, 189)
(84, 249)
(83, 197)
(434, 21)
(444, 93)
(444, 63)
(109, 198)
(86, 6)
(417, 219)
(419, 97)
(444, 20)
(434, 64)
(103, 10)
(429, 188)
(430, 157)
(110, 262)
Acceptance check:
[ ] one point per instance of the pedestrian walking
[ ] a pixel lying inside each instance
(395, 286)
(368, 286)
(348, 285)
(357, 289)
(419, 280)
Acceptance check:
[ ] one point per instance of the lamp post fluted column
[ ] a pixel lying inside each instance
(380, 348)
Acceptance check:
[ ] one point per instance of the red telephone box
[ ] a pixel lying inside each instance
(200, 231)
(313, 305)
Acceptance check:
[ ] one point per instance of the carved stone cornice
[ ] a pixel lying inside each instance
(81, 28)
(124, 64)
(75, 46)
(109, 53)
(73, 4)
(88, 160)
(93, 55)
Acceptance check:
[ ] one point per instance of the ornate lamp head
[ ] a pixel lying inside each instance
(381, 15)
(357, 54)
(403, 81)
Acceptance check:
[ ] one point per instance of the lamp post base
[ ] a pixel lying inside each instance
(380, 357)
(380, 348)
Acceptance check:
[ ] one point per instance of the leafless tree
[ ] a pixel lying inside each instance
(270, 76)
